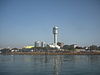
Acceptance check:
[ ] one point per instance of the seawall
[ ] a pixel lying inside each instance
(49, 53)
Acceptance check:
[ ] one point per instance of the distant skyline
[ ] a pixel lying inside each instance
(22, 22)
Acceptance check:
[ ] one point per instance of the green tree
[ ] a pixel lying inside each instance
(66, 47)
(98, 48)
(93, 47)
(69, 47)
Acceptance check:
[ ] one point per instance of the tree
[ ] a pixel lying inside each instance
(71, 47)
(68, 47)
(14, 48)
(93, 47)
(5, 50)
(98, 48)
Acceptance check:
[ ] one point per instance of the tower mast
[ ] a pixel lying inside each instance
(55, 32)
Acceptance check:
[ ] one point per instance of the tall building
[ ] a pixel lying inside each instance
(55, 32)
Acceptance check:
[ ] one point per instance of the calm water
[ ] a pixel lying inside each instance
(50, 65)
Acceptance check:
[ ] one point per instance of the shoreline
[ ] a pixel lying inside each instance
(49, 53)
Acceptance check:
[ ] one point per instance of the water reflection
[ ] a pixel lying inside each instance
(49, 64)
(57, 63)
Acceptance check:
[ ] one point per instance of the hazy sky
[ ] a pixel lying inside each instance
(24, 21)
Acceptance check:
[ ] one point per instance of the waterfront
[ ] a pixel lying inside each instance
(49, 64)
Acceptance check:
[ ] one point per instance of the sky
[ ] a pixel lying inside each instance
(22, 22)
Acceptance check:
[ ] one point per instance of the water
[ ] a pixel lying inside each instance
(49, 64)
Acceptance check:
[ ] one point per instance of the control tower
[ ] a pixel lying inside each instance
(55, 32)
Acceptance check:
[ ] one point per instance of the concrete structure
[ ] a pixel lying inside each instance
(37, 44)
(55, 32)
(43, 44)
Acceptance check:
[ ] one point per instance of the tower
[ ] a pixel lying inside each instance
(55, 32)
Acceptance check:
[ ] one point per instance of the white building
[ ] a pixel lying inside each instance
(43, 44)
(37, 44)
(40, 44)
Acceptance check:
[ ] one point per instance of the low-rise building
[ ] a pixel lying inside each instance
(28, 47)
(37, 44)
